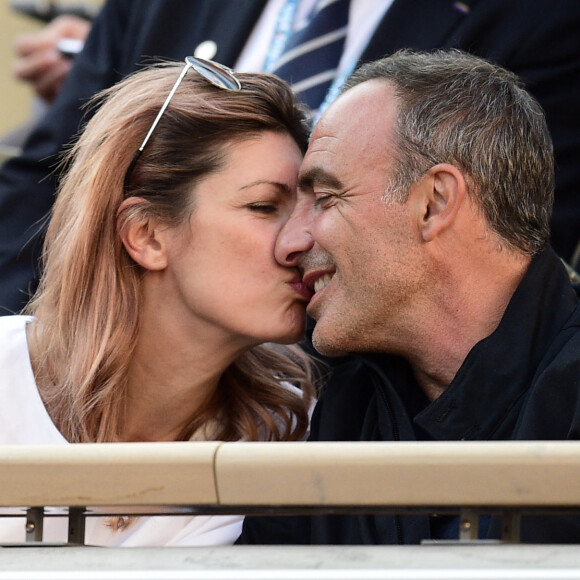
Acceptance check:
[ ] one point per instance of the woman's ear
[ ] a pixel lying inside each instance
(139, 233)
(444, 190)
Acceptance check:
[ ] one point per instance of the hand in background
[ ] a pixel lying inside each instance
(38, 59)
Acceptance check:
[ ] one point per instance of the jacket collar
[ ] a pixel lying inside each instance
(500, 368)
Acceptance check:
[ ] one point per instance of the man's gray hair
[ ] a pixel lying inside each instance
(456, 108)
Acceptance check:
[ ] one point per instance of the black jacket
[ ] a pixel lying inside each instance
(520, 383)
(536, 39)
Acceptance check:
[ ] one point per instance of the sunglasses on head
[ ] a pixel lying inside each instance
(217, 74)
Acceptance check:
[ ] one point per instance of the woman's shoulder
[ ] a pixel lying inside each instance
(23, 417)
(14, 323)
(13, 343)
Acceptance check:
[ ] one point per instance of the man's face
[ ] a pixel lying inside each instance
(354, 247)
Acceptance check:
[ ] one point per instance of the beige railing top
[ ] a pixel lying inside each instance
(462, 474)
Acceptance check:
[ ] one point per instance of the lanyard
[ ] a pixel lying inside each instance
(283, 30)
(334, 90)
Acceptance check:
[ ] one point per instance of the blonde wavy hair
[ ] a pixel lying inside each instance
(88, 302)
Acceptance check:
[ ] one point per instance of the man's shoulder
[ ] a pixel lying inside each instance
(551, 408)
(565, 347)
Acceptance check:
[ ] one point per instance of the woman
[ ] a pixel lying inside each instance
(160, 284)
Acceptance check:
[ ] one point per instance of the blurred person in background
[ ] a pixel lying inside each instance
(44, 59)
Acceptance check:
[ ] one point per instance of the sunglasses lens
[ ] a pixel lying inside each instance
(215, 73)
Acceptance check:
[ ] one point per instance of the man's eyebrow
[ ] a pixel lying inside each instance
(318, 176)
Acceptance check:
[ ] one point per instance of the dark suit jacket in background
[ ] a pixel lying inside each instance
(536, 39)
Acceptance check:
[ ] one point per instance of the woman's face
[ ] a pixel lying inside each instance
(221, 275)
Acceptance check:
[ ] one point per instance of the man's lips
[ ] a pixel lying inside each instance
(316, 281)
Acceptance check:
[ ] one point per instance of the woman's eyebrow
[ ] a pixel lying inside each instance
(283, 187)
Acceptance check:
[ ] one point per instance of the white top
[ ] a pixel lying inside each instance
(25, 421)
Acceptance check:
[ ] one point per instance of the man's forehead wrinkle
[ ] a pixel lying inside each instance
(324, 143)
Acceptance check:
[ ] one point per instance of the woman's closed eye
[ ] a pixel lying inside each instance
(263, 207)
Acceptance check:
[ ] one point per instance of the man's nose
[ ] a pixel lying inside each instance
(294, 238)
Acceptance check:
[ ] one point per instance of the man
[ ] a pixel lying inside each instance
(536, 39)
(422, 229)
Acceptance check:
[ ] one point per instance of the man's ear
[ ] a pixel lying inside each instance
(139, 233)
(443, 190)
